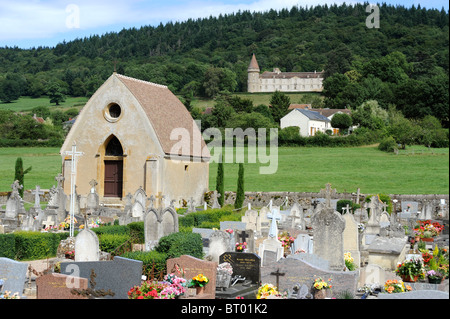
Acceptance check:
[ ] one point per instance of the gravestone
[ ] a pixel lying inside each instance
(252, 220)
(302, 244)
(59, 286)
(137, 211)
(270, 251)
(13, 274)
(417, 294)
(215, 200)
(275, 217)
(387, 252)
(219, 242)
(87, 246)
(410, 207)
(351, 238)
(37, 196)
(117, 275)
(296, 217)
(159, 222)
(264, 221)
(92, 201)
(234, 225)
(246, 275)
(247, 236)
(191, 267)
(312, 259)
(298, 272)
(205, 233)
(14, 204)
(328, 227)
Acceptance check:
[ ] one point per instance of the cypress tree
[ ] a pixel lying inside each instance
(240, 194)
(20, 174)
(220, 182)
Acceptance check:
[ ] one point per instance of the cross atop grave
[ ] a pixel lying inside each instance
(278, 274)
(15, 189)
(48, 222)
(275, 216)
(74, 154)
(346, 209)
(91, 292)
(93, 183)
(328, 192)
(59, 179)
(37, 199)
(161, 199)
(243, 236)
(384, 206)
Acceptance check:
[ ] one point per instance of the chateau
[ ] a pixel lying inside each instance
(282, 81)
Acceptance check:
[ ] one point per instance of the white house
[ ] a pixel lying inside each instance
(308, 121)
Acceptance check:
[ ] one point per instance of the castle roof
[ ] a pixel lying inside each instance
(253, 64)
(289, 75)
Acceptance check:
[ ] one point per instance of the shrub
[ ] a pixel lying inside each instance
(178, 244)
(388, 144)
(7, 246)
(111, 242)
(209, 216)
(37, 245)
(136, 231)
(154, 263)
(344, 202)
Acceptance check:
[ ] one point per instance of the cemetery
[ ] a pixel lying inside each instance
(322, 245)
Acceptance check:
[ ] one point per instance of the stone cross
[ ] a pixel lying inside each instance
(346, 209)
(278, 274)
(74, 154)
(59, 180)
(275, 216)
(15, 189)
(48, 222)
(93, 183)
(243, 236)
(328, 192)
(37, 199)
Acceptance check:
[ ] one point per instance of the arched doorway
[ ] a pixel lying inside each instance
(113, 163)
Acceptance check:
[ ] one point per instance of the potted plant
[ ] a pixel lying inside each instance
(286, 241)
(349, 261)
(269, 291)
(396, 286)
(410, 270)
(70, 254)
(240, 247)
(434, 277)
(321, 287)
(199, 282)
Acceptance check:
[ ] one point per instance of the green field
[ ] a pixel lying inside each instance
(303, 169)
(26, 103)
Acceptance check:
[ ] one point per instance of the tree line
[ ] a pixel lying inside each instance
(403, 63)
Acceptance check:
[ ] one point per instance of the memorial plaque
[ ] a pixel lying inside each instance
(244, 264)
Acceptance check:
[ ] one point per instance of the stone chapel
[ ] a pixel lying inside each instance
(136, 134)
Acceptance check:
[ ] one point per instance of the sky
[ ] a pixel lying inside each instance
(34, 23)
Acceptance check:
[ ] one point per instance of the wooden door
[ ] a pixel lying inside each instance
(113, 178)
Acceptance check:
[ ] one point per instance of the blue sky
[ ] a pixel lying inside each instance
(33, 23)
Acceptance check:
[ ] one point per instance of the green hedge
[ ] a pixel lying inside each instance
(110, 242)
(30, 245)
(153, 262)
(210, 218)
(177, 244)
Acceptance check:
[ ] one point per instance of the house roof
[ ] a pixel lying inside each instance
(329, 112)
(166, 113)
(299, 106)
(313, 115)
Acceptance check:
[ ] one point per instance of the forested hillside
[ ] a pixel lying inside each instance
(404, 63)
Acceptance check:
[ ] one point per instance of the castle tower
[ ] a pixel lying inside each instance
(253, 82)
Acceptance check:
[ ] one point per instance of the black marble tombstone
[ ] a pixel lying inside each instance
(246, 276)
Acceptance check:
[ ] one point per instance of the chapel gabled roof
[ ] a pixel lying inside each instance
(166, 113)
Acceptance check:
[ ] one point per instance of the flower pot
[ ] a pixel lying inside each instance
(435, 280)
(320, 294)
(200, 290)
(409, 279)
(430, 240)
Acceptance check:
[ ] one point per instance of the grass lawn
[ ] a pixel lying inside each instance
(416, 170)
(26, 103)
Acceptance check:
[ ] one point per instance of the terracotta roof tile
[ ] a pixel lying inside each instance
(166, 113)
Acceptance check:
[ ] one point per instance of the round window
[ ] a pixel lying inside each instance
(113, 112)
